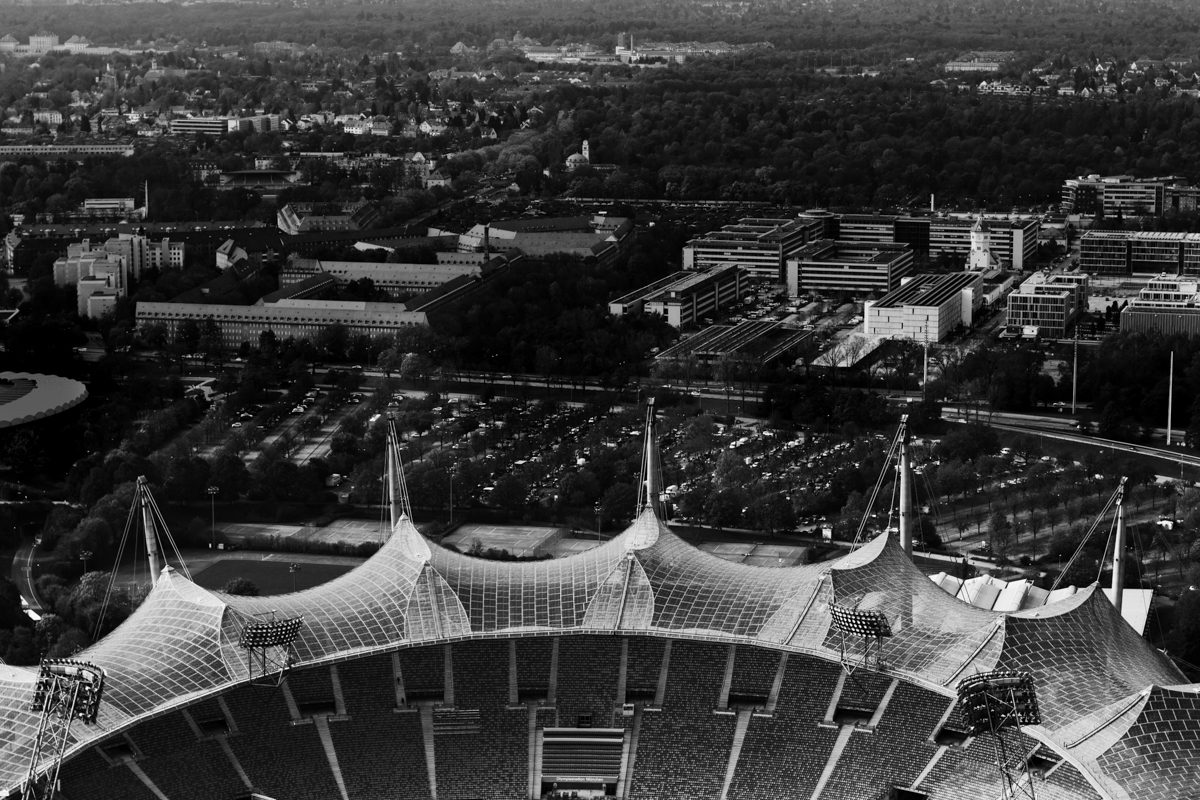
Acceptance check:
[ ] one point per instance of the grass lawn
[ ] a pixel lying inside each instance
(271, 577)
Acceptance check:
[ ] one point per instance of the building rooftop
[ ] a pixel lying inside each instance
(928, 290)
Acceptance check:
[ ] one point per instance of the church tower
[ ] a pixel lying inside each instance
(981, 254)
(587, 151)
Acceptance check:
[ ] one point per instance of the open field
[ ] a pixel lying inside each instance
(271, 577)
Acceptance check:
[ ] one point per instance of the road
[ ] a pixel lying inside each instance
(1063, 430)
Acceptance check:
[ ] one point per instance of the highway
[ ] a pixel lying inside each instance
(1064, 430)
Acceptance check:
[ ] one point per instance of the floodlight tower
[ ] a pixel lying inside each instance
(860, 636)
(992, 702)
(270, 649)
(65, 691)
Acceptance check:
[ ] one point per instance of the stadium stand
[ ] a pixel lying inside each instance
(684, 748)
(427, 673)
(379, 748)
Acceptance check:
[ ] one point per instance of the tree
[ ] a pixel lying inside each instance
(240, 586)
(772, 513)
(618, 503)
(1000, 531)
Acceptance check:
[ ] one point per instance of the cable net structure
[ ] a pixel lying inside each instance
(729, 675)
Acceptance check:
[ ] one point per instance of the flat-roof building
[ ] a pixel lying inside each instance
(1169, 304)
(696, 295)
(601, 238)
(395, 279)
(1049, 301)
(759, 246)
(927, 308)
(298, 318)
(1115, 194)
(1012, 242)
(852, 267)
(1126, 252)
(635, 301)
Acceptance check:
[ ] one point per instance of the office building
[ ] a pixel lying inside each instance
(635, 301)
(96, 274)
(1048, 301)
(759, 246)
(1169, 304)
(298, 318)
(1127, 252)
(696, 295)
(836, 266)
(1011, 243)
(212, 126)
(398, 280)
(926, 308)
(1123, 195)
(297, 218)
(599, 238)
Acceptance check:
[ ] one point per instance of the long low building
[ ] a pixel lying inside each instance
(635, 302)
(1013, 242)
(759, 246)
(395, 279)
(1126, 252)
(697, 295)
(297, 318)
(830, 266)
(1169, 304)
(926, 307)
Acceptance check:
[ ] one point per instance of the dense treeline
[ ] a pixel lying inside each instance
(757, 127)
(886, 29)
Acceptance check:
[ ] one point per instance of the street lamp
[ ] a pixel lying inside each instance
(293, 568)
(212, 502)
(84, 555)
(597, 522)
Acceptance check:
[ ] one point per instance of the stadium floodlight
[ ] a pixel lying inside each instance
(860, 636)
(995, 700)
(276, 633)
(867, 623)
(69, 687)
(66, 690)
(992, 702)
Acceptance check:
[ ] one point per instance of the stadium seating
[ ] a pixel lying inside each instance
(380, 752)
(587, 680)
(783, 755)
(266, 730)
(492, 764)
(684, 749)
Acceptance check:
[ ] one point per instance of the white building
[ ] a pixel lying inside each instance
(927, 308)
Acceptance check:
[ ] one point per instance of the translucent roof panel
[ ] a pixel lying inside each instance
(506, 595)
(1082, 656)
(168, 648)
(934, 635)
(361, 609)
(697, 591)
(1158, 757)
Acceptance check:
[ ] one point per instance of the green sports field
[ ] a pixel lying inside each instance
(271, 577)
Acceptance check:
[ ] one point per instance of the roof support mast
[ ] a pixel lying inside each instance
(394, 480)
(906, 509)
(650, 487)
(150, 530)
(1118, 572)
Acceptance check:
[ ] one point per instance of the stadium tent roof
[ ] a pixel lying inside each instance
(27, 396)
(1088, 665)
